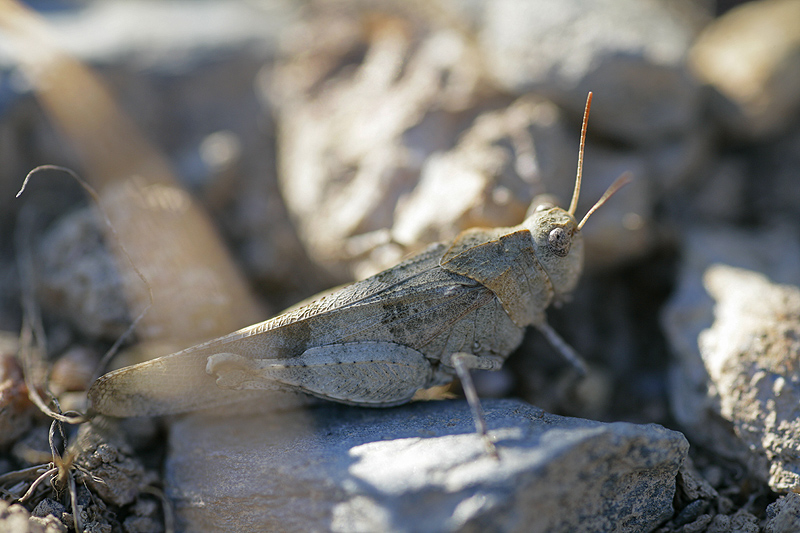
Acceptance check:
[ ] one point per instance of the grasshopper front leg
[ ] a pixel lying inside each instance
(377, 374)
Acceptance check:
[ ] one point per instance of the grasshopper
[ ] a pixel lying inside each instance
(376, 342)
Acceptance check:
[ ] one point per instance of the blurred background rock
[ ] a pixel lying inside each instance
(328, 139)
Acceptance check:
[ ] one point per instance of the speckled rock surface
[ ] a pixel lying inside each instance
(736, 374)
(752, 354)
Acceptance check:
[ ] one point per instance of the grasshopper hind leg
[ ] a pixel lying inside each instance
(373, 374)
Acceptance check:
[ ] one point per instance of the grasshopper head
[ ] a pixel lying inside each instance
(558, 244)
(557, 238)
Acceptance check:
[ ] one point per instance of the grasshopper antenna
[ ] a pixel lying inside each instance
(619, 183)
(577, 192)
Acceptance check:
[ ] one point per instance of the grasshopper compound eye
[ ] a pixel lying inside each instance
(559, 242)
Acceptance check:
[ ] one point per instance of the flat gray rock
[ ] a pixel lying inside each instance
(420, 467)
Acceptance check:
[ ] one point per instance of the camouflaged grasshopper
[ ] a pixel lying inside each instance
(376, 342)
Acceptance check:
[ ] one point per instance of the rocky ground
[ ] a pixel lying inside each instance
(288, 147)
